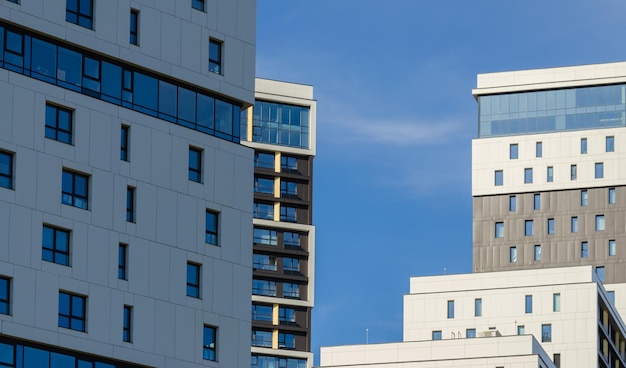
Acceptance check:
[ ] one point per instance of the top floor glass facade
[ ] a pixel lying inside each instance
(552, 111)
(280, 124)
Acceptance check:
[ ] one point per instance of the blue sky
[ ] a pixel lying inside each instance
(392, 176)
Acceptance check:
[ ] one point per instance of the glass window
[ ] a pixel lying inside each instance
(538, 149)
(499, 229)
(262, 338)
(450, 308)
(611, 195)
(537, 201)
(611, 295)
(583, 145)
(600, 273)
(265, 236)
(72, 311)
(209, 343)
(146, 93)
(262, 313)
(44, 60)
(288, 189)
(5, 298)
(470, 333)
(436, 335)
(264, 287)
(122, 261)
(80, 12)
(574, 224)
(58, 124)
(168, 94)
(550, 174)
(513, 151)
(197, 4)
(478, 307)
(584, 250)
(610, 144)
(75, 189)
(599, 222)
(124, 142)
(521, 330)
(612, 249)
(56, 245)
(263, 211)
(6, 170)
(195, 164)
(193, 280)
(291, 290)
(126, 330)
(529, 228)
(265, 160)
(288, 214)
(281, 124)
(556, 302)
(546, 333)
(291, 265)
(211, 236)
(263, 185)
(537, 254)
(215, 56)
(599, 170)
(291, 240)
(513, 254)
(287, 315)
(584, 197)
(528, 176)
(286, 341)
(288, 164)
(264, 262)
(573, 172)
(528, 303)
(556, 358)
(134, 27)
(130, 204)
(499, 178)
(512, 203)
(550, 226)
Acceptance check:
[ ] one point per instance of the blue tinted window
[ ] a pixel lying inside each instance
(513, 151)
(5, 296)
(600, 273)
(584, 197)
(478, 307)
(584, 250)
(265, 160)
(513, 254)
(145, 93)
(612, 248)
(264, 211)
(72, 311)
(134, 27)
(546, 333)
(470, 333)
(288, 214)
(291, 240)
(36, 358)
(56, 245)
(186, 106)
(80, 12)
(6, 170)
(122, 262)
(512, 203)
(573, 172)
(195, 164)
(264, 262)
(197, 4)
(537, 201)
(436, 335)
(538, 149)
(262, 313)
(265, 236)
(529, 228)
(281, 124)
(14, 51)
(130, 204)
(499, 229)
(263, 185)
(111, 83)
(167, 101)
(58, 124)
(537, 253)
(206, 113)
(44, 60)
(127, 324)
(550, 226)
(599, 222)
(211, 236)
(550, 174)
(528, 175)
(574, 224)
(610, 144)
(264, 287)
(450, 308)
(611, 195)
(583, 145)
(599, 170)
(215, 56)
(528, 304)
(75, 190)
(193, 280)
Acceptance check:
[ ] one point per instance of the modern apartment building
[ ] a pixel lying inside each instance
(548, 177)
(125, 201)
(281, 129)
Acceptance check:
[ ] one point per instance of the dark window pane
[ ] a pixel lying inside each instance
(167, 101)
(187, 105)
(44, 60)
(111, 82)
(70, 68)
(35, 358)
(206, 111)
(223, 117)
(145, 91)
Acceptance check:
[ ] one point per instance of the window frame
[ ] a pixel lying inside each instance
(291, 290)
(528, 175)
(609, 143)
(51, 252)
(536, 201)
(210, 343)
(551, 226)
(612, 248)
(528, 304)
(83, 19)
(573, 172)
(513, 254)
(599, 170)
(212, 222)
(198, 5)
(546, 332)
(194, 280)
(584, 249)
(601, 273)
(77, 195)
(513, 151)
(478, 307)
(195, 164)
(216, 56)
(498, 178)
(450, 309)
(537, 253)
(7, 178)
(125, 143)
(127, 332)
(436, 335)
(538, 149)
(122, 261)
(550, 174)
(5, 296)
(54, 127)
(470, 333)
(286, 340)
(584, 197)
(529, 228)
(556, 302)
(600, 223)
(70, 314)
(611, 195)
(499, 229)
(134, 27)
(583, 146)
(574, 224)
(131, 201)
(513, 203)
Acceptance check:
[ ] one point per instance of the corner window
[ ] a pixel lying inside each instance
(538, 149)
(134, 27)
(124, 143)
(72, 311)
(58, 124)
(600, 273)
(436, 335)
(599, 172)
(611, 195)
(215, 56)
(5, 295)
(80, 12)
(550, 226)
(546, 333)
(610, 144)
(126, 330)
(6, 170)
(498, 178)
(600, 223)
(55, 245)
(583, 145)
(195, 164)
(573, 172)
(209, 343)
(556, 302)
(193, 280)
(478, 307)
(130, 204)
(499, 229)
(211, 235)
(537, 201)
(122, 261)
(584, 197)
(574, 224)
(513, 254)
(612, 249)
(197, 4)
(529, 228)
(528, 176)
(450, 308)
(470, 333)
(537, 253)
(528, 304)
(550, 174)
(513, 151)
(584, 250)
(75, 189)
(512, 203)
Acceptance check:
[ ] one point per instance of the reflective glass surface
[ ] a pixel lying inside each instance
(5, 295)
(262, 313)
(6, 170)
(265, 236)
(263, 361)
(281, 124)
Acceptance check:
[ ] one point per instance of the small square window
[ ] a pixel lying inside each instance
(550, 226)
(537, 255)
(127, 329)
(195, 164)
(528, 303)
(6, 170)
(58, 124)
(499, 229)
(55, 245)
(193, 280)
(513, 254)
(600, 223)
(599, 170)
(5, 295)
(550, 174)
(499, 178)
(546, 333)
(130, 204)
(436, 335)
(584, 250)
(583, 145)
(215, 56)
(209, 343)
(600, 273)
(573, 172)
(512, 203)
(75, 189)
(80, 12)
(610, 144)
(212, 229)
(124, 143)
(72, 311)
(470, 333)
(538, 149)
(197, 4)
(584, 197)
(537, 201)
(134, 27)
(513, 151)
(450, 308)
(574, 227)
(478, 307)
(556, 302)
(611, 195)
(529, 228)
(528, 176)
(612, 248)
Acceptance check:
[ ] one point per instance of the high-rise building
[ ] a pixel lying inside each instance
(548, 177)
(125, 201)
(281, 129)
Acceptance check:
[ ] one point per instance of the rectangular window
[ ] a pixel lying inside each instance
(193, 280)
(128, 315)
(499, 229)
(291, 265)
(513, 254)
(288, 189)
(550, 174)
(610, 143)
(537, 254)
(124, 140)
(478, 307)
(521, 330)
(286, 316)
(286, 340)
(611, 195)
(195, 164)
(264, 160)
(5, 295)
(262, 338)
(80, 12)
(529, 228)
(197, 4)
(599, 170)
(470, 333)
(264, 287)
(215, 56)
(72, 311)
(546, 333)
(538, 149)
(288, 164)
(498, 178)
(556, 358)
(584, 250)
(211, 235)
(513, 151)
(56, 245)
(209, 343)
(75, 189)
(288, 214)
(600, 273)
(599, 222)
(512, 203)
(611, 295)
(263, 185)
(436, 335)
(584, 197)
(612, 250)
(450, 308)
(122, 261)
(556, 302)
(58, 124)
(528, 304)
(134, 27)
(265, 236)
(528, 176)
(537, 201)
(264, 262)
(263, 211)
(130, 204)
(573, 172)
(6, 170)
(583, 145)
(291, 290)
(291, 240)
(574, 224)
(262, 313)
(550, 226)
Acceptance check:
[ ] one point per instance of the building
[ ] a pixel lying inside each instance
(281, 129)
(548, 183)
(125, 201)
(553, 317)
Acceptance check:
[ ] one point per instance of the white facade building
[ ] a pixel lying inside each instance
(125, 201)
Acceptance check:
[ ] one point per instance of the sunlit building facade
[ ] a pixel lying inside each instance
(125, 201)
(281, 129)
